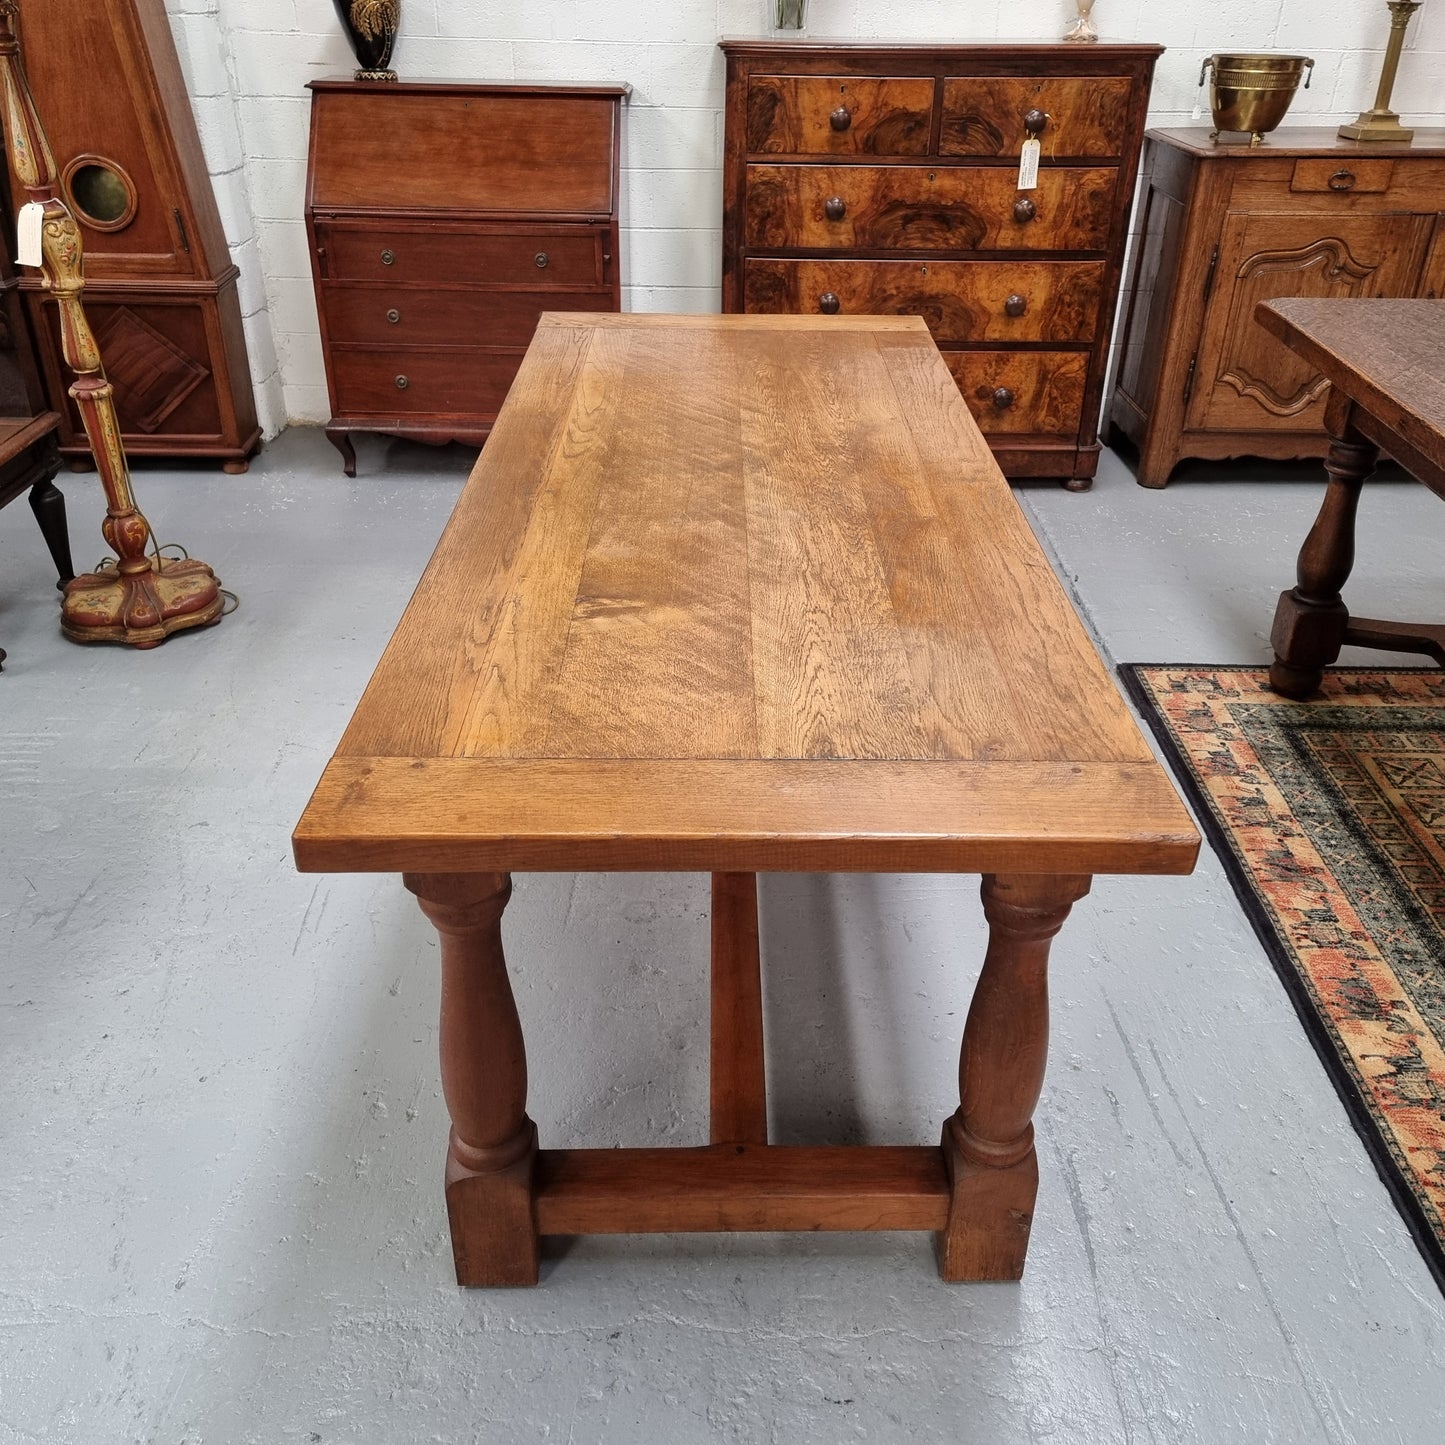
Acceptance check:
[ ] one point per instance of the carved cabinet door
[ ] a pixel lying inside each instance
(1245, 379)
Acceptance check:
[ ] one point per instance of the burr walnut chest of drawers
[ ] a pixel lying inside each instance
(444, 218)
(880, 178)
(1224, 227)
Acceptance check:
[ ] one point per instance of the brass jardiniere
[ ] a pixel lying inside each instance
(1252, 92)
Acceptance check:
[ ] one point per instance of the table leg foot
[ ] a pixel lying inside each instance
(988, 1144)
(493, 1145)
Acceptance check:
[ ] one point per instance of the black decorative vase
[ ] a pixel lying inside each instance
(371, 26)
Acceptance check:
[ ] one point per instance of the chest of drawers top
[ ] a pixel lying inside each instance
(464, 148)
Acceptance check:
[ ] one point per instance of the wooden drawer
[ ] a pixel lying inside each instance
(524, 256)
(984, 115)
(1012, 393)
(411, 316)
(794, 115)
(381, 382)
(928, 208)
(960, 300)
(1342, 174)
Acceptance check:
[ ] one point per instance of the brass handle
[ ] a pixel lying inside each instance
(841, 118)
(388, 257)
(1015, 305)
(541, 258)
(835, 208)
(1003, 398)
(402, 383)
(828, 304)
(1024, 210)
(1035, 121)
(393, 315)
(1342, 181)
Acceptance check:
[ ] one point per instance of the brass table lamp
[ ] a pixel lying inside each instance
(1380, 122)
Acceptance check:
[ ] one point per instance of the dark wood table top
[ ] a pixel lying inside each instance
(1387, 356)
(737, 592)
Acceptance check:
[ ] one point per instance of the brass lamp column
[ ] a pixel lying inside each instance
(143, 599)
(1380, 122)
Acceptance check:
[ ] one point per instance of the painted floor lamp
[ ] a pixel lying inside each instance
(144, 597)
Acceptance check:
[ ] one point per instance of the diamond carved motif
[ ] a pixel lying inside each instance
(152, 376)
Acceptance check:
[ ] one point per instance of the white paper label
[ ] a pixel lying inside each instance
(1029, 165)
(27, 233)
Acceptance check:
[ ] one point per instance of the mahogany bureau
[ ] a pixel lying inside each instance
(1224, 227)
(444, 218)
(880, 177)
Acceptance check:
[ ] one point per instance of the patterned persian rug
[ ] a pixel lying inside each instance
(1330, 818)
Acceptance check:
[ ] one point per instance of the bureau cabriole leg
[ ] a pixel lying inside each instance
(493, 1145)
(340, 438)
(988, 1145)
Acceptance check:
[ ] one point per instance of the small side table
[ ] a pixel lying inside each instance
(1385, 362)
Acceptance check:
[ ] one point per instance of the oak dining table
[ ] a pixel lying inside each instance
(741, 594)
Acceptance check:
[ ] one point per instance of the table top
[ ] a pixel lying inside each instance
(1386, 355)
(740, 593)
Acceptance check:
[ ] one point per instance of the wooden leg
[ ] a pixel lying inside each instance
(1310, 620)
(739, 1105)
(236, 466)
(47, 501)
(340, 438)
(988, 1145)
(493, 1145)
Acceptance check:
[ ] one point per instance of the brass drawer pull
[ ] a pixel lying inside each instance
(1024, 210)
(1035, 121)
(828, 304)
(541, 258)
(1003, 398)
(393, 315)
(841, 118)
(388, 257)
(1015, 305)
(1342, 181)
(835, 208)
(402, 383)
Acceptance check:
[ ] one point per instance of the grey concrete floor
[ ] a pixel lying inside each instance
(220, 1149)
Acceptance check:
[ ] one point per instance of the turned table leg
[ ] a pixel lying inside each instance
(988, 1145)
(1310, 619)
(484, 1076)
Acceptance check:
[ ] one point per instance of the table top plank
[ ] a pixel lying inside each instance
(773, 553)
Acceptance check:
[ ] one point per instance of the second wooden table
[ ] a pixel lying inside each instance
(733, 594)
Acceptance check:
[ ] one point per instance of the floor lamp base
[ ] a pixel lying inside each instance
(141, 608)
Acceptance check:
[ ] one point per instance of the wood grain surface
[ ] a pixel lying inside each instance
(984, 115)
(748, 590)
(793, 114)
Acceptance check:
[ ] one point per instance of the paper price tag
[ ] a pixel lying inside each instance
(27, 233)
(1029, 164)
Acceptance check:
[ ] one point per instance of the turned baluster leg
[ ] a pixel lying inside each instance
(988, 1145)
(47, 502)
(1310, 620)
(484, 1077)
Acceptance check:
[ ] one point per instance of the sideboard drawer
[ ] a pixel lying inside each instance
(960, 300)
(1012, 393)
(839, 115)
(432, 257)
(1360, 175)
(412, 316)
(1084, 116)
(398, 382)
(928, 208)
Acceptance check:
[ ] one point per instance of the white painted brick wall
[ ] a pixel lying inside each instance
(259, 54)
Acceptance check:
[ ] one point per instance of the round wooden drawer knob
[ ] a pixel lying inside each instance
(541, 258)
(841, 118)
(1015, 305)
(402, 383)
(828, 304)
(388, 257)
(393, 315)
(1024, 210)
(1003, 398)
(1035, 121)
(835, 208)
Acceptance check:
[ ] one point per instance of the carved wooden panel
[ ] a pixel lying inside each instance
(1245, 377)
(925, 208)
(151, 375)
(960, 300)
(984, 115)
(794, 114)
(1012, 393)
